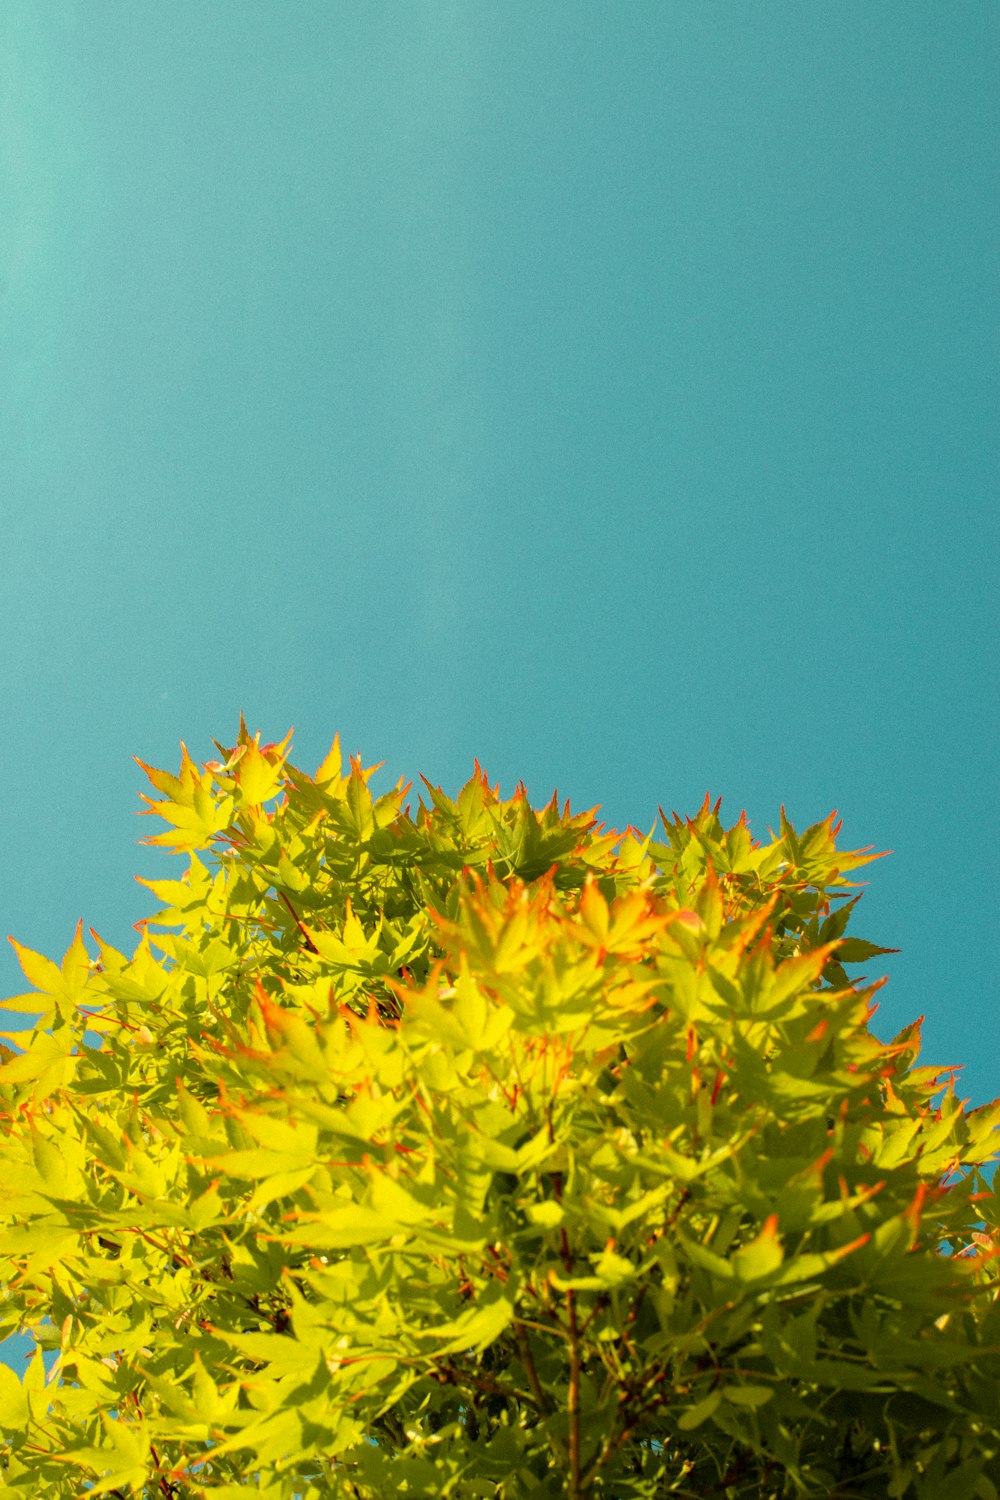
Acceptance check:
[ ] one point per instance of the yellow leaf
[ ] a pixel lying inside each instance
(39, 970)
(13, 1402)
(257, 778)
(330, 768)
(594, 911)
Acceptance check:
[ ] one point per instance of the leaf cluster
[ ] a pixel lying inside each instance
(480, 1152)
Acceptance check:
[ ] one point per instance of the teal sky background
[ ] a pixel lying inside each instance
(605, 391)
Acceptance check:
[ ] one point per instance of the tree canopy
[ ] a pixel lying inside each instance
(478, 1151)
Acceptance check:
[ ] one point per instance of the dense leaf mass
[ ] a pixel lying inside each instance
(485, 1153)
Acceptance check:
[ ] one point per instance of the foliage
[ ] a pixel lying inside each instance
(484, 1153)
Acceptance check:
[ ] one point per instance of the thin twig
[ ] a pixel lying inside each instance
(299, 924)
(527, 1360)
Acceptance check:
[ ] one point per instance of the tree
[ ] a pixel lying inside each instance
(485, 1153)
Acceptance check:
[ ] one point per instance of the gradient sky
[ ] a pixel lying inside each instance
(608, 392)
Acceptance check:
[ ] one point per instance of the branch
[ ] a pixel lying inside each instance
(527, 1360)
(573, 1490)
(295, 918)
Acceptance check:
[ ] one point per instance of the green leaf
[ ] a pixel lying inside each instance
(762, 1256)
(359, 803)
(13, 1402)
(693, 1416)
(613, 1270)
(478, 1327)
(548, 1215)
(258, 1162)
(857, 951)
(748, 1395)
(337, 1229)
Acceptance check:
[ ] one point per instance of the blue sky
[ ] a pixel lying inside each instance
(607, 392)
